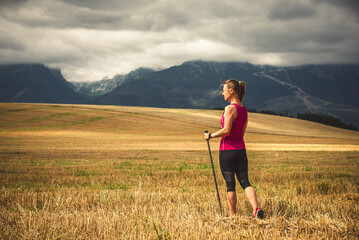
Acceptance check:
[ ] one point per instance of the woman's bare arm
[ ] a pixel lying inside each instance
(230, 114)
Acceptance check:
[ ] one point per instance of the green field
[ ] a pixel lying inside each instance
(112, 172)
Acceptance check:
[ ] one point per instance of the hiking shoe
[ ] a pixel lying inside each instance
(258, 213)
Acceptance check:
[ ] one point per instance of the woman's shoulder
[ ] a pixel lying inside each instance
(234, 106)
(230, 107)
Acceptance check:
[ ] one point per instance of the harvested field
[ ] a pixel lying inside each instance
(113, 172)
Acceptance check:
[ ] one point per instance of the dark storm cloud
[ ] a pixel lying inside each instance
(89, 39)
(122, 5)
(11, 3)
(101, 15)
(54, 15)
(349, 5)
(9, 43)
(295, 39)
(291, 10)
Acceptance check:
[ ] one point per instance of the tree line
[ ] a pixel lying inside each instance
(326, 119)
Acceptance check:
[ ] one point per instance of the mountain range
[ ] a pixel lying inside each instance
(36, 83)
(329, 89)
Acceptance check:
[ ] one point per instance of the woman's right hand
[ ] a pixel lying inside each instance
(206, 136)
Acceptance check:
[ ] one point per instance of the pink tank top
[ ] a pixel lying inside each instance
(234, 140)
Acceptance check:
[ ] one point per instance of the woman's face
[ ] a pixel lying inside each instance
(226, 93)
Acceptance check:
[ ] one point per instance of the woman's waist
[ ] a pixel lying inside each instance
(232, 143)
(233, 139)
(235, 134)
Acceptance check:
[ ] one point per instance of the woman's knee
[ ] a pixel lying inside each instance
(243, 179)
(245, 183)
(231, 186)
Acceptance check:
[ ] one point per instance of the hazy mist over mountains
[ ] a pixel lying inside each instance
(98, 88)
(330, 89)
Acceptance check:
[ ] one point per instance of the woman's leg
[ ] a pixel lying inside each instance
(232, 202)
(248, 189)
(231, 191)
(251, 196)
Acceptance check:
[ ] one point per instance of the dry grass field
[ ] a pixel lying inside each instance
(112, 172)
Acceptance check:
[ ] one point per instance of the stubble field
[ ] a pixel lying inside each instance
(111, 172)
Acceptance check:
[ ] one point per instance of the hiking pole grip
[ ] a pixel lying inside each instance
(206, 132)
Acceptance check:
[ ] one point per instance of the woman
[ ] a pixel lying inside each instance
(232, 152)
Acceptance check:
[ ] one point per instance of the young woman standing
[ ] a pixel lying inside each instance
(232, 152)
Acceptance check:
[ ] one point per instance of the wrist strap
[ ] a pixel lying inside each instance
(210, 136)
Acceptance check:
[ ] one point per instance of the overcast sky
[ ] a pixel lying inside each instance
(91, 39)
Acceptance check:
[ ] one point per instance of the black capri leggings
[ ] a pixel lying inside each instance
(234, 162)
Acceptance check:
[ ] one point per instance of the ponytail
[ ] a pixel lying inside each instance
(242, 93)
(238, 86)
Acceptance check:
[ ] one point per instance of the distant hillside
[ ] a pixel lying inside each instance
(269, 125)
(98, 88)
(35, 83)
(327, 89)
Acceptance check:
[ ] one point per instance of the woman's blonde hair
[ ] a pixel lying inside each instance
(238, 86)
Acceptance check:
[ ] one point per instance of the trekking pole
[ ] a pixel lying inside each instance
(214, 175)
